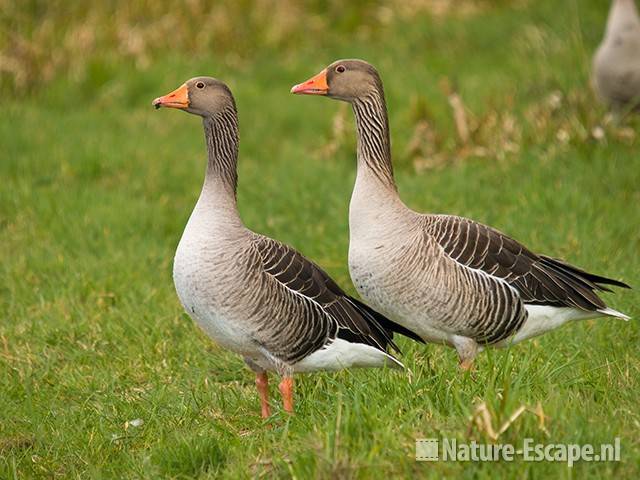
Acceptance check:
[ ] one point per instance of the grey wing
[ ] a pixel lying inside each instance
(538, 279)
(314, 309)
(469, 302)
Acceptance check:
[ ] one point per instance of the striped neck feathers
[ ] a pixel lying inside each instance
(221, 135)
(372, 123)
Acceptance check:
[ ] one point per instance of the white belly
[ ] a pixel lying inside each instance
(195, 271)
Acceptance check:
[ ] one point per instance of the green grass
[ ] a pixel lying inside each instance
(97, 188)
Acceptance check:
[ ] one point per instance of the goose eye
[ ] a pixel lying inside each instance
(340, 68)
(200, 85)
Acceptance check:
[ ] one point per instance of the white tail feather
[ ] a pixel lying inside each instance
(614, 313)
(341, 354)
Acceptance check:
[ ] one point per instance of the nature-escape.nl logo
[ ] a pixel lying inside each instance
(450, 450)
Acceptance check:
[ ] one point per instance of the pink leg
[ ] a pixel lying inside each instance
(262, 382)
(466, 364)
(286, 389)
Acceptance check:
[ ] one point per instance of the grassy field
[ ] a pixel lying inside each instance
(97, 187)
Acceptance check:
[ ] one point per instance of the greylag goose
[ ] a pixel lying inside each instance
(254, 295)
(447, 278)
(616, 63)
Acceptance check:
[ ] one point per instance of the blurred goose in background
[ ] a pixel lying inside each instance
(447, 278)
(616, 64)
(254, 295)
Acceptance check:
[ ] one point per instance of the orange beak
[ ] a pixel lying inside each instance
(179, 98)
(314, 86)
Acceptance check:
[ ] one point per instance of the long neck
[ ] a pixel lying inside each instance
(221, 135)
(375, 195)
(374, 149)
(623, 12)
(219, 190)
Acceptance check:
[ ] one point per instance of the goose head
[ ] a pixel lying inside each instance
(204, 96)
(346, 80)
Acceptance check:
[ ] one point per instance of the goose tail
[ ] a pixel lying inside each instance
(610, 312)
(388, 325)
(393, 362)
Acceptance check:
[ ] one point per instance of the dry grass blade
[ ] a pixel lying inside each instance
(512, 418)
(538, 412)
(483, 420)
(459, 117)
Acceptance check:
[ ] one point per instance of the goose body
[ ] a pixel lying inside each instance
(254, 295)
(616, 63)
(449, 279)
(228, 279)
(452, 300)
